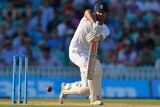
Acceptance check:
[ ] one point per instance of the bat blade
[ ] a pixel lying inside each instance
(92, 60)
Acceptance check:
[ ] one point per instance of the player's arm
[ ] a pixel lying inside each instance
(103, 35)
(93, 36)
(98, 28)
(105, 32)
(90, 16)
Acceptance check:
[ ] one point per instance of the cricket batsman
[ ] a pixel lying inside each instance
(87, 32)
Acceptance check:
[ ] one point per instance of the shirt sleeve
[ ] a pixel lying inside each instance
(105, 31)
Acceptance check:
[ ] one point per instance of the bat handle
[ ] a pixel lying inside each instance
(97, 22)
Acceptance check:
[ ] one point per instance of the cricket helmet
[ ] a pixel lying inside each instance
(100, 7)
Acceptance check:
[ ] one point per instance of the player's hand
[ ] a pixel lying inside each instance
(97, 28)
(92, 36)
(98, 38)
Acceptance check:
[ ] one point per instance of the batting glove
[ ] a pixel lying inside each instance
(97, 28)
(92, 36)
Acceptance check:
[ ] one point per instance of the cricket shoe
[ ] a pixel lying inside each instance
(62, 96)
(97, 102)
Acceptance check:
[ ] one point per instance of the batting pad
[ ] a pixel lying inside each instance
(95, 84)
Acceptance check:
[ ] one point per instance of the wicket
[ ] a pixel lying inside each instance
(18, 61)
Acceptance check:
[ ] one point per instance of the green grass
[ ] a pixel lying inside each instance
(83, 103)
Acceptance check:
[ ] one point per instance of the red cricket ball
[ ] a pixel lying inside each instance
(48, 88)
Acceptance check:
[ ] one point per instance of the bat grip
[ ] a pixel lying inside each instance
(97, 22)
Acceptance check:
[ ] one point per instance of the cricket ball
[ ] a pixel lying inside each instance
(48, 88)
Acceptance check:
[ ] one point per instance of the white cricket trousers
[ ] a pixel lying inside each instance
(79, 58)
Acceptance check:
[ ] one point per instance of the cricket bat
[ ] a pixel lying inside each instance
(92, 60)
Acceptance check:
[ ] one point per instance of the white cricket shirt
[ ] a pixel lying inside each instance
(79, 39)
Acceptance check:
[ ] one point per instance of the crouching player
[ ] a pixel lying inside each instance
(87, 32)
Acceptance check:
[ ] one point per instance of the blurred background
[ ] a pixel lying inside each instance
(42, 30)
